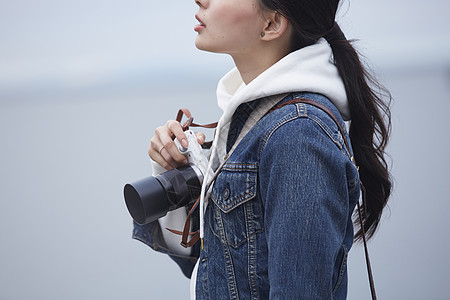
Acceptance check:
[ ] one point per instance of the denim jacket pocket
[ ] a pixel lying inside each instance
(237, 212)
(340, 268)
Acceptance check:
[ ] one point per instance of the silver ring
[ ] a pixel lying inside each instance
(160, 149)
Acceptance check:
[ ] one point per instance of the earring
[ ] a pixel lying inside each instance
(262, 34)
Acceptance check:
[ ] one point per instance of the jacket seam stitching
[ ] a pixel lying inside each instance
(268, 134)
(301, 114)
(229, 268)
(227, 207)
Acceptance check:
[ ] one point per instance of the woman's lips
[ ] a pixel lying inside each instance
(199, 26)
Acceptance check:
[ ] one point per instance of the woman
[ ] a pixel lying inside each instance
(277, 222)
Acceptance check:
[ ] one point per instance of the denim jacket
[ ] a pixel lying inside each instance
(278, 224)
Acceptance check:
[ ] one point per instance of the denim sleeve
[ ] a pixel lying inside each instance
(151, 235)
(304, 191)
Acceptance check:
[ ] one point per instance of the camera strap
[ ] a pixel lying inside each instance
(190, 122)
(260, 111)
(206, 145)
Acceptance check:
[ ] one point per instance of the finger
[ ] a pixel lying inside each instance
(200, 137)
(170, 152)
(177, 130)
(169, 160)
(155, 150)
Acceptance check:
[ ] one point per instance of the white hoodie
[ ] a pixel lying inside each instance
(310, 69)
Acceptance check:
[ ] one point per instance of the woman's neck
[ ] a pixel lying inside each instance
(251, 65)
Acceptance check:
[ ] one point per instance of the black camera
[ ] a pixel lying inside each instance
(151, 198)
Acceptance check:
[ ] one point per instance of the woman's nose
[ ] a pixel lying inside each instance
(202, 3)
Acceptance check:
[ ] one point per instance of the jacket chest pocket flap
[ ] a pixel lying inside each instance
(234, 186)
(236, 216)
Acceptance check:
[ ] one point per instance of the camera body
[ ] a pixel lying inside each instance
(151, 198)
(194, 152)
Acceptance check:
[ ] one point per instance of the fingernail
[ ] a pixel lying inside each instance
(184, 143)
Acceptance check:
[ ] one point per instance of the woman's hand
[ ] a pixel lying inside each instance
(163, 149)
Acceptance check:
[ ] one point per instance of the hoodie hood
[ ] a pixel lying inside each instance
(310, 69)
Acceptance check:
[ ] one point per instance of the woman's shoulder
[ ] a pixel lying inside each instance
(294, 106)
(292, 111)
(298, 123)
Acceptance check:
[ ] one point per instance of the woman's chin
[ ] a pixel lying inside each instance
(203, 45)
(200, 45)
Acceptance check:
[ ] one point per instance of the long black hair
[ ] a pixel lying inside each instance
(371, 117)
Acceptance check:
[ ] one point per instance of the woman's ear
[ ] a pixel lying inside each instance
(276, 26)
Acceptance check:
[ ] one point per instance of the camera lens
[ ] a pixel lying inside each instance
(146, 199)
(151, 198)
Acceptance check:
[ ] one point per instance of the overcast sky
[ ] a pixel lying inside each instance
(85, 42)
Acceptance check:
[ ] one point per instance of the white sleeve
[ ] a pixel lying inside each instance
(174, 219)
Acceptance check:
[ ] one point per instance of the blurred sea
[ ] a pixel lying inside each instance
(67, 152)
